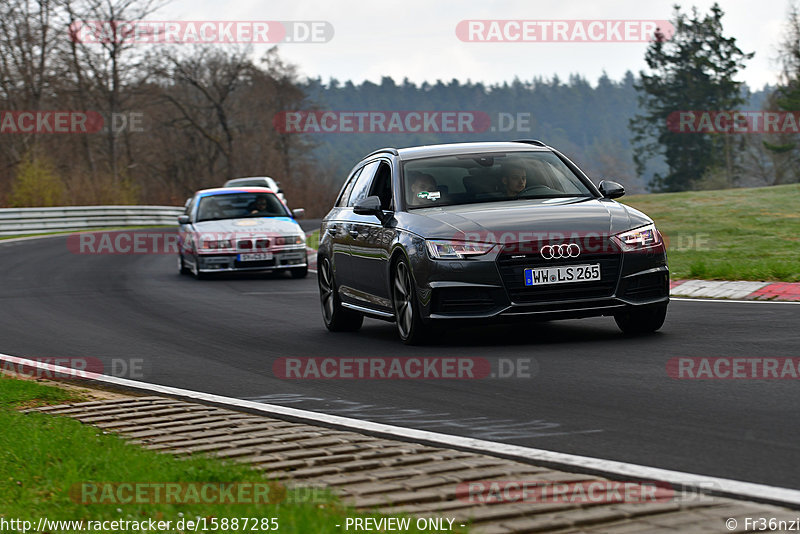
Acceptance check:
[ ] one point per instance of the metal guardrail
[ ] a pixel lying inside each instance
(23, 221)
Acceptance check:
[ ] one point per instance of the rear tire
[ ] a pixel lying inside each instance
(641, 319)
(410, 327)
(337, 318)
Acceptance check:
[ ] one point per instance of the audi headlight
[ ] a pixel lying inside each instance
(456, 250)
(639, 238)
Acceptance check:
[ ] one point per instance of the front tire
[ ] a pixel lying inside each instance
(299, 272)
(336, 317)
(641, 319)
(410, 327)
(195, 269)
(182, 269)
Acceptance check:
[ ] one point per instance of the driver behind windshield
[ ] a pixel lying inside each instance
(514, 179)
(260, 205)
(421, 183)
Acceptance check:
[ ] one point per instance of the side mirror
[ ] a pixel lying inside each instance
(369, 206)
(611, 189)
(184, 219)
(298, 213)
(280, 191)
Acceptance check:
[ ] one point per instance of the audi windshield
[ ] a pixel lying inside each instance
(466, 179)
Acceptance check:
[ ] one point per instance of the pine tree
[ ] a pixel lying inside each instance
(783, 147)
(692, 71)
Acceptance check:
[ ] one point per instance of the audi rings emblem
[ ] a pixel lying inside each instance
(553, 252)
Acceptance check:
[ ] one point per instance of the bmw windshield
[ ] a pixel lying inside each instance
(496, 177)
(240, 205)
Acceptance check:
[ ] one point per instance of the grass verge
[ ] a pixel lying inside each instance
(45, 460)
(732, 234)
(312, 240)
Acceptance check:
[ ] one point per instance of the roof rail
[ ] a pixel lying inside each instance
(530, 142)
(390, 150)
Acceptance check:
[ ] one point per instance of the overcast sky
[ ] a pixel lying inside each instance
(417, 38)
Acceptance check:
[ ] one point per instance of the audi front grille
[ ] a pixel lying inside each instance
(516, 257)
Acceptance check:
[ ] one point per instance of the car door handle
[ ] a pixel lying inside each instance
(353, 233)
(333, 230)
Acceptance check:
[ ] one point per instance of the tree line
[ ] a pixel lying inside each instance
(177, 118)
(174, 119)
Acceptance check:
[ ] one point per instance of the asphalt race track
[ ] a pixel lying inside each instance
(591, 391)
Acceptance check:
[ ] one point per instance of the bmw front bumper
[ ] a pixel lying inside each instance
(285, 258)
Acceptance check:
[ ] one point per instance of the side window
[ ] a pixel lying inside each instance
(362, 184)
(189, 206)
(382, 186)
(348, 188)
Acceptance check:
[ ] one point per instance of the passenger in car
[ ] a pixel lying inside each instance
(210, 210)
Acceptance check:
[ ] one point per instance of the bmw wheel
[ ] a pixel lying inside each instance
(195, 269)
(182, 269)
(336, 317)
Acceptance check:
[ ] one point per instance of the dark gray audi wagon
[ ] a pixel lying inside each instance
(486, 231)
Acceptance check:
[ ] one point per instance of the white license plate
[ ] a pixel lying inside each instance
(562, 275)
(256, 256)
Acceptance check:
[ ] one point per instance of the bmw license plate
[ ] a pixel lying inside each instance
(256, 256)
(562, 275)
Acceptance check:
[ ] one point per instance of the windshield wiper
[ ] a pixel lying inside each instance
(565, 195)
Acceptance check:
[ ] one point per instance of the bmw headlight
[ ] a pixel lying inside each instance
(290, 240)
(213, 244)
(639, 238)
(456, 250)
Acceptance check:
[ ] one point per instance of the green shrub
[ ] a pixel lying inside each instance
(36, 184)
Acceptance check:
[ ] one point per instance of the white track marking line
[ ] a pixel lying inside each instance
(717, 288)
(67, 234)
(701, 483)
(31, 237)
(692, 299)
